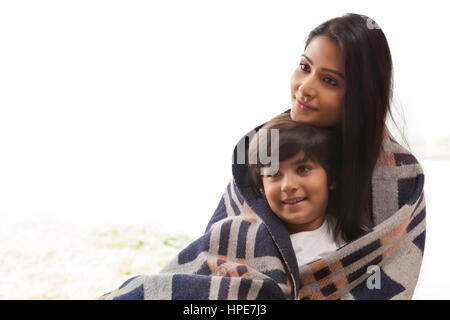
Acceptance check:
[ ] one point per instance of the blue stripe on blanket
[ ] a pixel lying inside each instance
(419, 241)
(264, 245)
(236, 210)
(239, 197)
(409, 189)
(361, 253)
(241, 270)
(388, 289)
(270, 291)
(190, 287)
(277, 275)
(329, 289)
(204, 269)
(224, 288)
(416, 220)
(322, 273)
(244, 288)
(135, 294)
(242, 240)
(219, 214)
(404, 159)
(194, 249)
(363, 270)
(224, 238)
(127, 282)
(419, 202)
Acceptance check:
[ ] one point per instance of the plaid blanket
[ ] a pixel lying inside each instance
(246, 252)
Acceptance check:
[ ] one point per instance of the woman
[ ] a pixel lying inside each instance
(344, 80)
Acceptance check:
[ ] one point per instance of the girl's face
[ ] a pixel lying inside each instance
(317, 85)
(298, 193)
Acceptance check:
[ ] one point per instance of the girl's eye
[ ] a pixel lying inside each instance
(272, 175)
(275, 174)
(303, 169)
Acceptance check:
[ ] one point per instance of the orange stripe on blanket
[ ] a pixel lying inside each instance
(302, 293)
(307, 280)
(385, 134)
(341, 283)
(325, 281)
(212, 264)
(237, 260)
(224, 269)
(315, 266)
(317, 295)
(322, 283)
(318, 265)
(336, 266)
(392, 234)
(389, 251)
(385, 159)
(333, 296)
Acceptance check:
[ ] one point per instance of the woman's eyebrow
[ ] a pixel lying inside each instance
(324, 69)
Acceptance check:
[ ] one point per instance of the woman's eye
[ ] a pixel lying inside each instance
(304, 67)
(330, 81)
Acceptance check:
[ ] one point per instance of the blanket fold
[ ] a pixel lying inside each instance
(246, 252)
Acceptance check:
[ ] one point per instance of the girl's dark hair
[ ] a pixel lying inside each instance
(319, 144)
(368, 93)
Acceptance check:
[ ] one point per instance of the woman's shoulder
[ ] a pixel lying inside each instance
(395, 156)
(397, 179)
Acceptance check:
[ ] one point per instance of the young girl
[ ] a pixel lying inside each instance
(302, 191)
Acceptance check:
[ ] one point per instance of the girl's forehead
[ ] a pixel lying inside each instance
(298, 158)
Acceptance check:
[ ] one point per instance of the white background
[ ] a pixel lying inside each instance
(128, 111)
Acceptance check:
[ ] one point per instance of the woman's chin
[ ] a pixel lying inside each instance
(297, 115)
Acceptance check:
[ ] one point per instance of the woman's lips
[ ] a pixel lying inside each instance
(304, 106)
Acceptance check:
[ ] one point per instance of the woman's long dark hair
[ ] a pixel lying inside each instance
(368, 93)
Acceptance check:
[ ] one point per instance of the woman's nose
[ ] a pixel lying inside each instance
(307, 88)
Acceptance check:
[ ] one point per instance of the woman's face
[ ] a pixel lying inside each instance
(317, 85)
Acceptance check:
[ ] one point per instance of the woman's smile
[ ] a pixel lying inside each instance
(303, 106)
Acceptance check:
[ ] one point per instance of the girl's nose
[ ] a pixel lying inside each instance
(289, 184)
